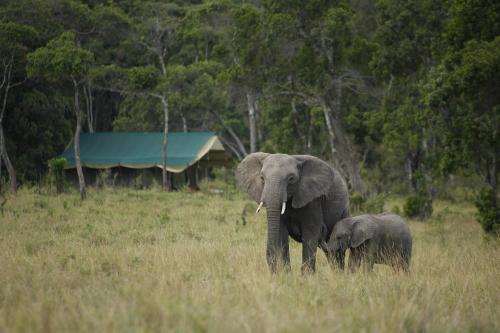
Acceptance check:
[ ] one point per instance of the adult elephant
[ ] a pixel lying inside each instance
(304, 198)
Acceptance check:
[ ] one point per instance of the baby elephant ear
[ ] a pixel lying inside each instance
(316, 179)
(248, 175)
(362, 231)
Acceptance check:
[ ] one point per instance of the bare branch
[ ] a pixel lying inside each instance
(4, 79)
(307, 99)
(18, 83)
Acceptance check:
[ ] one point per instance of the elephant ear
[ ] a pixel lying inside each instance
(248, 175)
(316, 179)
(362, 231)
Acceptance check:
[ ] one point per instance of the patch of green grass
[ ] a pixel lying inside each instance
(128, 260)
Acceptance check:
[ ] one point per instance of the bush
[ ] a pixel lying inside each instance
(356, 202)
(395, 209)
(488, 214)
(418, 205)
(56, 173)
(373, 204)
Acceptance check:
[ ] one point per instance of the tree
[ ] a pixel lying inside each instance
(406, 37)
(62, 60)
(156, 33)
(16, 39)
(311, 47)
(208, 35)
(246, 71)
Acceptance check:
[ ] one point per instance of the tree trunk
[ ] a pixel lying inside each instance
(309, 132)
(257, 121)
(342, 152)
(228, 144)
(295, 114)
(76, 141)
(491, 173)
(3, 147)
(346, 150)
(427, 178)
(166, 183)
(252, 121)
(89, 105)
(329, 126)
(5, 157)
(235, 137)
(1, 160)
(409, 171)
(184, 124)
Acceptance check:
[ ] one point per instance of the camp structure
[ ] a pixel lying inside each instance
(136, 158)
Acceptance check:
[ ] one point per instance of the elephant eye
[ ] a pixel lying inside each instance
(262, 178)
(291, 179)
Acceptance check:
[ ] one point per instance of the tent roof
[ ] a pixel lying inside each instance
(142, 149)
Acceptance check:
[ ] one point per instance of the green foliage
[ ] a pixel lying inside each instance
(372, 204)
(417, 98)
(417, 206)
(56, 173)
(488, 211)
(396, 210)
(356, 202)
(60, 59)
(143, 78)
(16, 39)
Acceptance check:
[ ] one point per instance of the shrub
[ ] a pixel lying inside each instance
(488, 214)
(56, 173)
(395, 209)
(375, 204)
(418, 205)
(356, 202)
(371, 204)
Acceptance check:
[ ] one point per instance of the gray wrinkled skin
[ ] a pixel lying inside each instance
(315, 196)
(373, 239)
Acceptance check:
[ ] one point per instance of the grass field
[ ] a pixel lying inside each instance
(141, 261)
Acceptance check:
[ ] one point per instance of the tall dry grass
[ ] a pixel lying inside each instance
(142, 261)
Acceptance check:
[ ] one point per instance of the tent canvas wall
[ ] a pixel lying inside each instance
(132, 153)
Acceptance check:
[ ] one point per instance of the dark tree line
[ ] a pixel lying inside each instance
(406, 89)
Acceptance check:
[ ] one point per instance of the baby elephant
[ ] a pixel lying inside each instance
(374, 239)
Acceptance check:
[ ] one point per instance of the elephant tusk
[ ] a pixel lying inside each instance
(283, 208)
(260, 206)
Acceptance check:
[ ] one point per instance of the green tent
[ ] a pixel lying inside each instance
(139, 150)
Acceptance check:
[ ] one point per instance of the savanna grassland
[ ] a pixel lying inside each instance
(142, 260)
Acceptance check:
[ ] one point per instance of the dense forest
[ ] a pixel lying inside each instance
(400, 96)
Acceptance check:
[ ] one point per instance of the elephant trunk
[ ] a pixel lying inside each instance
(333, 246)
(274, 195)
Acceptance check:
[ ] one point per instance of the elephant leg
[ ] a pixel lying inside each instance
(309, 255)
(335, 259)
(340, 259)
(368, 262)
(330, 257)
(369, 265)
(312, 230)
(285, 249)
(354, 260)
